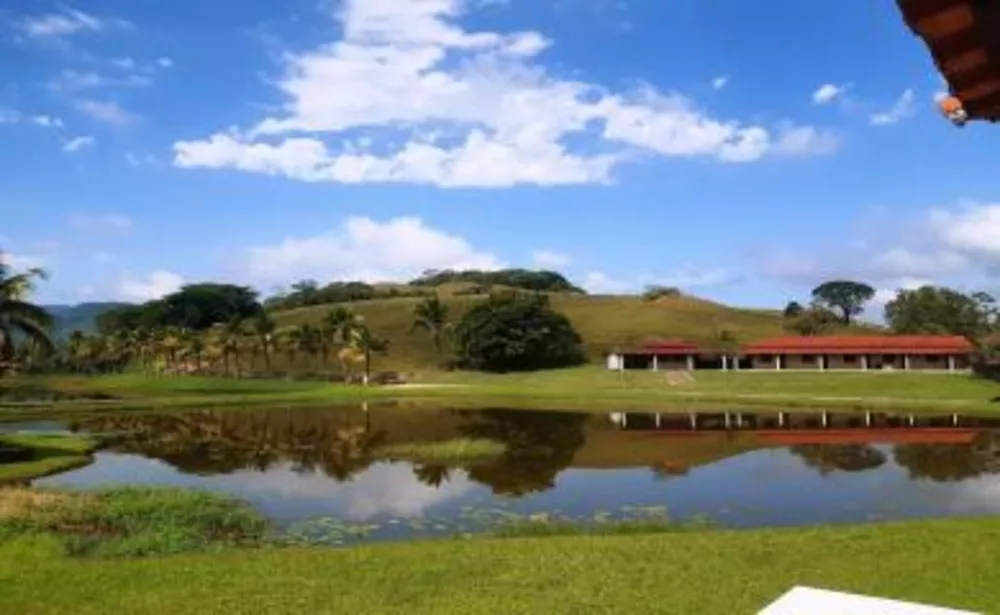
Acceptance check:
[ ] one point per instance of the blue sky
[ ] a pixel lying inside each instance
(741, 151)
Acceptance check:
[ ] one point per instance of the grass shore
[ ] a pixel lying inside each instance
(949, 563)
(586, 388)
(50, 454)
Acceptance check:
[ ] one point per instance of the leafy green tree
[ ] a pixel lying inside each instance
(939, 310)
(814, 320)
(19, 318)
(843, 296)
(307, 339)
(793, 309)
(336, 328)
(431, 315)
(511, 332)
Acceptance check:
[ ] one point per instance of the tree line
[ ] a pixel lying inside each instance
(225, 329)
(928, 310)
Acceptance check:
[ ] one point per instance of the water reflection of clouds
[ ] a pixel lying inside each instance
(384, 489)
(979, 495)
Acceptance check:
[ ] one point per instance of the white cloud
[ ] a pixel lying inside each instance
(73, 81)
(827, 92)
(888, 292)
(78, 143)
(135, 160)
(106, 111)
(466, 109)
(13, 116)
(720, 82)
(152, 286)
(124, 63)
(113, 222)
(47, 121)
(20, 262)
(600, 283)
(364, 249)
(164, 62)
(548, 259)
(903, 108)
(806, 141)
(68, 21)
(973, 230)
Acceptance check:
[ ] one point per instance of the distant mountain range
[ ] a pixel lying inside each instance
(81, 317)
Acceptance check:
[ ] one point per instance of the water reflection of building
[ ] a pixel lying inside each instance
(791, 428)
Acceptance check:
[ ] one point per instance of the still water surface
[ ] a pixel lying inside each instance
(318, 473)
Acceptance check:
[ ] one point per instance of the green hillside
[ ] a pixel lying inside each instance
(604, 322)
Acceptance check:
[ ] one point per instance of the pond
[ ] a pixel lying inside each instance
(320, 476)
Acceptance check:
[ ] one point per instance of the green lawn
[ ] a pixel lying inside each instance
(950, 563)
(52, 453)
(582, 388)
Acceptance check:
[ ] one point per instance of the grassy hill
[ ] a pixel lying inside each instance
(604, 322)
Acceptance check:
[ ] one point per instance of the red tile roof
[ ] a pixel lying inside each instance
(963, 39)
(862, 344)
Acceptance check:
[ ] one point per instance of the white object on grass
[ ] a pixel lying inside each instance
(808, 601)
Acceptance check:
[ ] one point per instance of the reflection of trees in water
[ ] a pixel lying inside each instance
(828, 458)
(951, 462)
(539, 445)
(341, 444)
(209, 443)
(432, 474)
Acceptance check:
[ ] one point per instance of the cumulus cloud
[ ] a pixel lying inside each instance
(77, 144)
(13, 116)
(827, 93)
(600, 283)
(549, 259)
(465, 109)
(67, 21)
(720, 82)
(805, 141)
(956, 246)
(108, 112)
(364, 249)
(902, 109)
(152, 286)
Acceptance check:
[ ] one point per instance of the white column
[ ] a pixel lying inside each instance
(725, 363)
(868, 419)
(826, 419)
(656, 364)
(781, 419)
(736, 363)
(777, 362)
(690, 362)
(951, 363)
(657, 420)
(819, 362)
(694, 420)
(728, 421)
(864, 363)
(906, 362)
(954, 419)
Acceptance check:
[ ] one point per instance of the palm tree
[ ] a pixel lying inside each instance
(18, 316)
(336, 327)
(431, 315)
(263, 327)
(363, 340)
(77, 348)
(306, 338)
